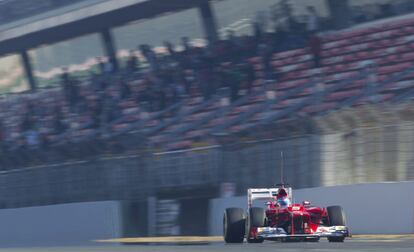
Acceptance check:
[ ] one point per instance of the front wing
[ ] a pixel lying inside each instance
(275, 233)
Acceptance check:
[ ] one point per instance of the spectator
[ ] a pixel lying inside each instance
(179, 91)
(65, 81)
(32, 138)
(101, 65)
(312, 21)
(320, 84)
(186, 44)
(65, 74)
(27, 123)
(371, 83)
(150, 56)
(162, 98)
(73, 93)
(258, 31)
(44, 141)
(234, 79)
(266, 57)
(124, 89)
(170, 48)
(132, 64)
(58, 126)
(250, 75)
(108, 67)
(315, 45)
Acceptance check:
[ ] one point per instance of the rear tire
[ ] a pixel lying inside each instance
(256, 218)
(336, 217)
(233, 225)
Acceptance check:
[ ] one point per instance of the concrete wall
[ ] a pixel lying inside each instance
(370, 208)
(58, 225)
(380, 208)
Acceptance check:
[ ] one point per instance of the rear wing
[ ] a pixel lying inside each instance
(265, 194)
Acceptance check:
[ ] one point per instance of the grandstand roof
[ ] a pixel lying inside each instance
(98, 15)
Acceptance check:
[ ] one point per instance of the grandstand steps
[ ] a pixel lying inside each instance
(184, 111)
(217, 114)
(266, 105)
(151, 119)
(375, 89)
(300, 105)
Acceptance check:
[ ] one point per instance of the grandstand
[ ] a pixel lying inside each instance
(350, 59)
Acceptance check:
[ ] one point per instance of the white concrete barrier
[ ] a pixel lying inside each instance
(59, 225)
(378, 208)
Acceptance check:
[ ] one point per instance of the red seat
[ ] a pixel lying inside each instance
(342, 95)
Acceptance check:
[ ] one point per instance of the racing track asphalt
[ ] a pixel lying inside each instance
(352, 244)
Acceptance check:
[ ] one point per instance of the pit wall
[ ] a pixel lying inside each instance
(378, 208)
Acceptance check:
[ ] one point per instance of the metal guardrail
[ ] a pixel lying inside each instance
(140, 176)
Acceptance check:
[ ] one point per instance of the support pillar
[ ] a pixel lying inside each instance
(25, 59)
(109, 47)
(209, 21)
(134, 218)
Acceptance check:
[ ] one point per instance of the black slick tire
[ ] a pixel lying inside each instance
(256, 218)
(336, 217)
(233, 225)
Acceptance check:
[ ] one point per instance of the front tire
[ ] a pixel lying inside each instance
(336, 217)
(256, 218)
(233, 225)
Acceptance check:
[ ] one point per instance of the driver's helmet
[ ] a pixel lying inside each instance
(281, 193)
(282, 198)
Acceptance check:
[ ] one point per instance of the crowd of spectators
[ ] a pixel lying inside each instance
(149, 81)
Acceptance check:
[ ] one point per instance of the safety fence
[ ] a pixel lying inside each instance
(360, 145)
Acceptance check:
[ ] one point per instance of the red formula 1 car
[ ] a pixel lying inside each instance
(282, 220)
